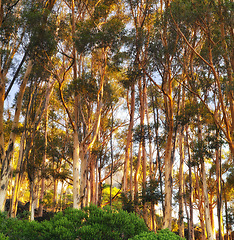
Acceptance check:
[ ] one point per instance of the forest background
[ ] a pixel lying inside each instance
(140, 88)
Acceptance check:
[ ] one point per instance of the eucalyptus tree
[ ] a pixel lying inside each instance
(209, 39)
(97, 30)
(163, 69)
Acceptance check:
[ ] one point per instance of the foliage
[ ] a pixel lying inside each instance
(164, 234)
(90, 223)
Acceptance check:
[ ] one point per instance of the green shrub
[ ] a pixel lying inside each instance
(164, 234)
(91, 223)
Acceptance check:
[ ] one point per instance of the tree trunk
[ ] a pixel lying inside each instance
(219, 192)
(31, 206)
(55, 199)
(209, 231)
(191, 227)
(200, 207)
(40, 210)
(92, 179)
(129, 139)
(76, 171)
(181, 183)
(168, 161)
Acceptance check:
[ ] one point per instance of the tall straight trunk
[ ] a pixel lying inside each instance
(40, 210)
(61, 196)
(142, 92)
(97, 181)
(190, 227)
(200, 206)
(156, 124)
(210, 234)
(151, 169)
(226, 213)
(92, 179)
(181, 183)
(168, 152)
(32, 201)
(7, 157)
(131, 174)
(83, 176)
(168, 183)
(136, 178)
(129, 139)
(55, 199)
(76, 143)
(211, 202)
(209, 231)
(219, 192)
(112, 157)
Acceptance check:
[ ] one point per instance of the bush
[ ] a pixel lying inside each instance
(91, 223)
(164, 234)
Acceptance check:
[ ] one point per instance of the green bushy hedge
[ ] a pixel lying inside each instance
(91, 223)
(163, 234)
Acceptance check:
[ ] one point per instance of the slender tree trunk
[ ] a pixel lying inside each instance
(92, 179)
(40, 210)
(142, 122)
(200, 206)
(129, 139)
(76, 144)
(168, 161)
(136, 178)
(191, 228)
(76, 171)
(210, 235)
(219, 192)
(55, 198)
(31, 206)
(97, 181)
(227, 214)
(181, 183)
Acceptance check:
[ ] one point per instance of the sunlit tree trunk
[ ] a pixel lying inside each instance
(55, 198)
(76, 143)
(181, 183)
(168, 151)
(190, 227)
(142, 93)
(31, 206)
(219, 191)
(200, 205)
(40, 210)
(92, 179)
(210, 234)
(136, 178)
(206, 203)
(129, 139)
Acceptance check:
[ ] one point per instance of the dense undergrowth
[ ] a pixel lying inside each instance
(91, 223)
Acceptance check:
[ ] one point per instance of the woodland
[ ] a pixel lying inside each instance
(126, 103)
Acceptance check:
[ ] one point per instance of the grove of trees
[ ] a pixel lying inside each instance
(89, 89)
